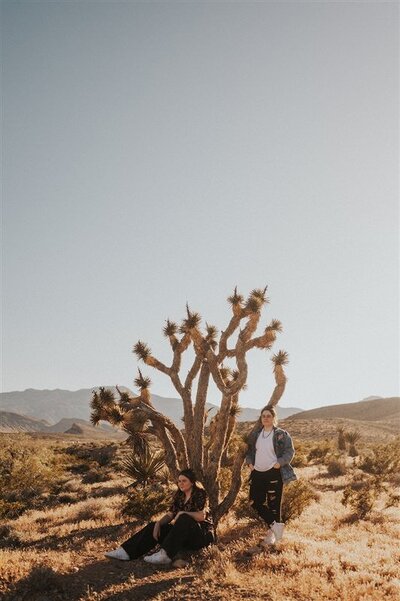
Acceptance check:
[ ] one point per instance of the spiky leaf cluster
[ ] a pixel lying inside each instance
(143, 467)
(280, 358)
(274, 326)
(142, 382)
(141, 350)
(192, 320)
(170, 329)
(260, 294)
(235, 298)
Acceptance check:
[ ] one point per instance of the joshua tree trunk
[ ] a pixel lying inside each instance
(190, 447)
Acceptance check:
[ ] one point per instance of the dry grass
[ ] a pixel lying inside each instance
(57, 554)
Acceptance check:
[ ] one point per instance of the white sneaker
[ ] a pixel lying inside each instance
(277, 528)
(160, 558)
(119, 553)
(269, 539)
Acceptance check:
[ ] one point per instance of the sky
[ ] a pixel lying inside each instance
(162, 153)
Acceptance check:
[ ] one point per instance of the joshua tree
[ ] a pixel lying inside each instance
(352, 437)
(189, 447)
(341, 438)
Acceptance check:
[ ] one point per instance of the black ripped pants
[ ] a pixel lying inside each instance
(267, 487)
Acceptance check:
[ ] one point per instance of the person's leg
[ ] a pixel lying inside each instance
(185, 534)
(274, 495)
(258, 495)
(143, 541)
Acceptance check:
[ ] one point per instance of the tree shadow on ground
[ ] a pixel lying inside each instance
(108, 533)
(44, 584)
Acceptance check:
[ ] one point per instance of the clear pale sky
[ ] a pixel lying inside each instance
(158, 153)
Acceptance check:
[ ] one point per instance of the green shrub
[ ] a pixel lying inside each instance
(297, 496)
(144, 502)
(27, 470)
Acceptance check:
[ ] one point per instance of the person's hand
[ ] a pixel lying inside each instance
(251, 467)
(156, 530)
(277, 466)
(177, 516)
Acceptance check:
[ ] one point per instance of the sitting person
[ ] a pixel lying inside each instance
(187, 525)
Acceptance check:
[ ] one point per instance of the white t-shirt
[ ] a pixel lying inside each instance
(265, 454)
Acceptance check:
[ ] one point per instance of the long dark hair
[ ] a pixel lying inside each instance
(272, 411)
(190, 474)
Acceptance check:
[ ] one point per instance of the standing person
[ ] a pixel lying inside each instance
(269, 455)
(187, 525)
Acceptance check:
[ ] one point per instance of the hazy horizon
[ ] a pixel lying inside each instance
(158, 154)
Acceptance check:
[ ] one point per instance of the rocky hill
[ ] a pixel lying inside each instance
(375, 409)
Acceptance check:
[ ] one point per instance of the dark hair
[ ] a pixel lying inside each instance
(189, 473)
(272, 411)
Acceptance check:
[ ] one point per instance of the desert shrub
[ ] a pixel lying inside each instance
(299, 460)
(336, 467)
(243, 508)
(144, 502)
(104, 455)
(92, 509)
(27, 470)
(383, 460)
(361, 495)
(297, 496)
(319, 452)
(95, 475)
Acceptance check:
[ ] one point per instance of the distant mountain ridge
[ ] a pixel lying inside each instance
(56, 405)
(370, 409)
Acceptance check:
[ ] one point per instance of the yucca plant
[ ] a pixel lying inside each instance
(143, 467)
(341, 438)
(352, 437)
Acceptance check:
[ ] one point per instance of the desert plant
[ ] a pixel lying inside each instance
(143, 467)
(95, 475)
(319, 452)
(336, 467)
(352, 437)
(383, 460)
(341, 442)
(297, 496)
(144, 502)
(187, 448)
(28, 470)
(361, 495)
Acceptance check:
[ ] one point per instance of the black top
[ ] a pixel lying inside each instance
(196, 502)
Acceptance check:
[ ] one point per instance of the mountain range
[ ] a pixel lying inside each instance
(50, 411)
(55, 405)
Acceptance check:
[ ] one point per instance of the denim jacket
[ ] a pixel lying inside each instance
(283, 448)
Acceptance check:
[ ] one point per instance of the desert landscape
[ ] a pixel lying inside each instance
(63, 503)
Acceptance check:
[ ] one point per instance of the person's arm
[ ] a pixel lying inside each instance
(199, 516)
(288, 452)
(166, 519)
